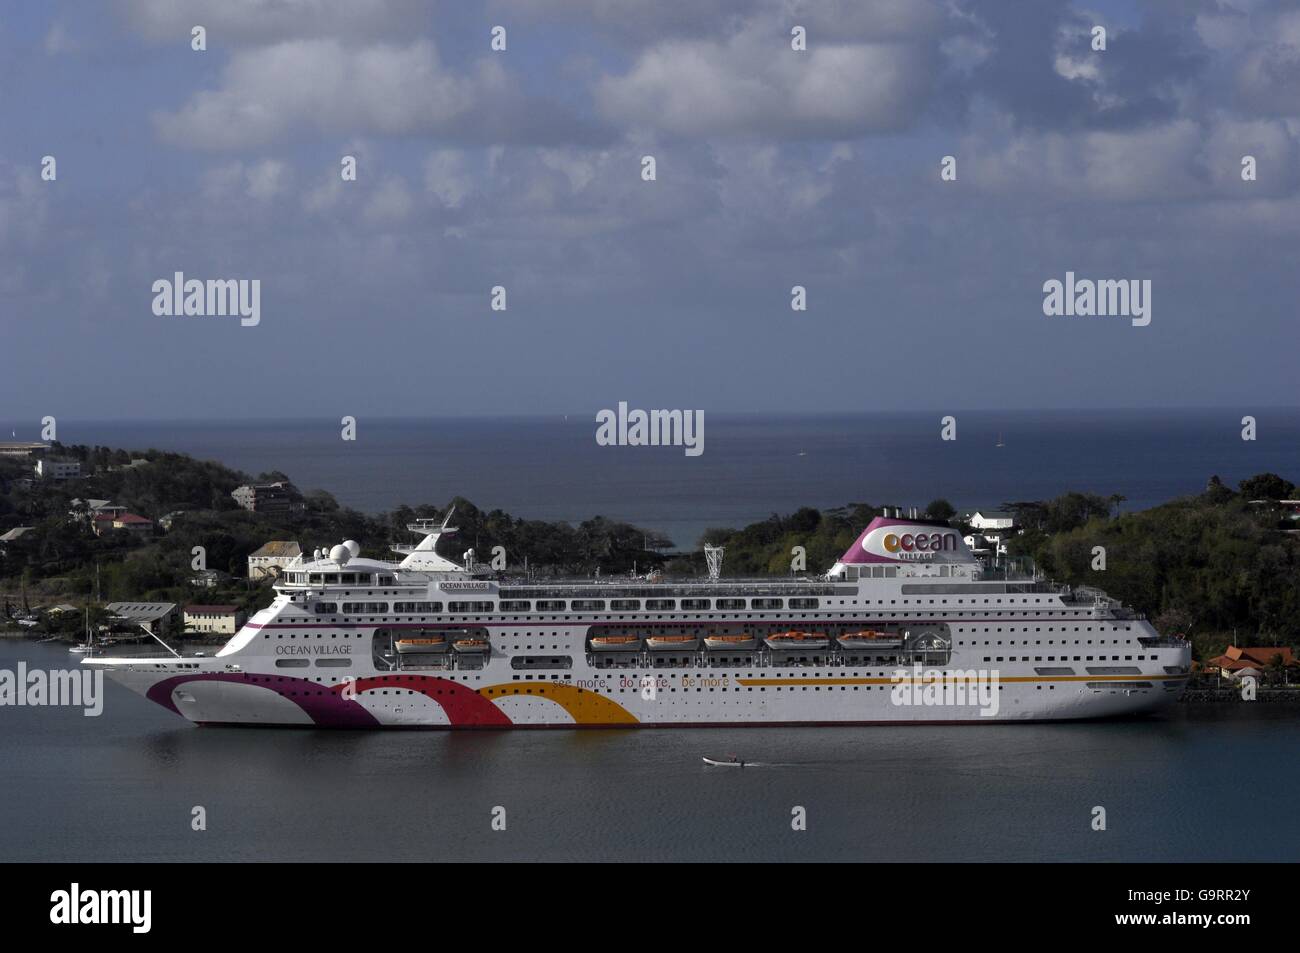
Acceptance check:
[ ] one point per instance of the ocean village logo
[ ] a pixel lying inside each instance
(920, 543)
(653, 428)
(313, 649)
(468, 586)
(910, 544)
(182, 297)
(93, 907)
(1106, 298)
(939, 688)
(35, 688)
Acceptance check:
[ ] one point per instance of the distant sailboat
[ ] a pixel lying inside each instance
(89, 647)
(1000, 441)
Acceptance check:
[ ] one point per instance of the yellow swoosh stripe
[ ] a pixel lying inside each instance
(586, 707)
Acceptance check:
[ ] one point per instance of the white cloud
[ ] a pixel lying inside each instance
(753, 83)
(260, 181)
(321, 87)
(1183, 160)
(57, 40)
(447, 177)
(391, 203)
(325, 87)
(24, 206)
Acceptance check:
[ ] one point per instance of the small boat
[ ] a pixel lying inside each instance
(682, 643)
(87, 647)
(870, 640)
(730, 764)
(435, 643)
(736, 642)
(471, 646)
(798, 640)
(616, 643)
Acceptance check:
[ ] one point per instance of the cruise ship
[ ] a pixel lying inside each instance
(907, 627)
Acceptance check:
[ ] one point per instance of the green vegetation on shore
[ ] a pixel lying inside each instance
(62, 560)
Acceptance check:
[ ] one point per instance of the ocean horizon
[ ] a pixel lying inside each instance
(549, 467)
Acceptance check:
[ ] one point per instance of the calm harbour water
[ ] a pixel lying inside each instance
(552, 469)
(121, 786)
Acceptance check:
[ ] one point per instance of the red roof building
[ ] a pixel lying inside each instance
(128, 522)
(1258, 657)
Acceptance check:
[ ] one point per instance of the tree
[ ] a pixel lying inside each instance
(1266, 486)
(940, 509)
(1216, 494)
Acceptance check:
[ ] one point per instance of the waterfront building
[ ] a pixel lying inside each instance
(992, 520)
(221, 620)
(271, 559)
(156, 617)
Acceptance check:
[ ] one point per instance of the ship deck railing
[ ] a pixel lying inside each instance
(517, 588)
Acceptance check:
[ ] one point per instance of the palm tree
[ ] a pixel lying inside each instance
(1275, 665)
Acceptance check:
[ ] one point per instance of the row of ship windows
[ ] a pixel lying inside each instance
(515, 606)
(1064, 658)
(553, 634)
(398, 678)
(1094, 686)
(1064, 628)
(337, 579)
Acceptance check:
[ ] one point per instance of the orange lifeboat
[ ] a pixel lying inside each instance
(435, 643)
(870, 639)
(616, 643)
(802, 641)
(682, 643)
(735, 642)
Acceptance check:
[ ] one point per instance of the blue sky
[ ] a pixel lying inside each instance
(521, 169)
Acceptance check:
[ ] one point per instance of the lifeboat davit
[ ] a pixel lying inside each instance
(802, 641)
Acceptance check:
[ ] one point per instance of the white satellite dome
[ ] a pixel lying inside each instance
(316, 554)
(340, 554)
(353, 547)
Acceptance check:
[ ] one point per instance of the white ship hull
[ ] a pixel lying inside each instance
(602, 700)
